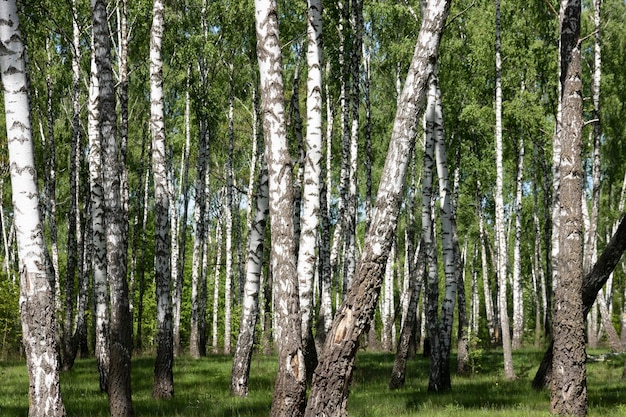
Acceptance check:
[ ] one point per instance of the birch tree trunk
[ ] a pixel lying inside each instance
(568, 390)
(518, 297)
(163, 386)
(290, 387)
(228, 217)
(216, 284)
(500, 233)
(307, 259)
(329, 391)
(249, 316)
(196, 350)
(416, 281)
(71, 340)
(592, 284)
(100, 283)
(489, 310)
(36, 293)
(119, 388)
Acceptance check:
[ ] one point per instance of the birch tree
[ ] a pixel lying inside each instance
(312, 171)
(290, 387)
(163, 386)
(500, 232)
(568, 389)
(36, 293)
(329, 393)
(100, 284)
(119, 389)
(256, 247)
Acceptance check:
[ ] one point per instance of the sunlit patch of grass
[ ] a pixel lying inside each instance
(202, 389)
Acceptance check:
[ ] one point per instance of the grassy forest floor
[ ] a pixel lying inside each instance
(202, 389)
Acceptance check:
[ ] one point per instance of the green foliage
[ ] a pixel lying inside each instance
(10, 327)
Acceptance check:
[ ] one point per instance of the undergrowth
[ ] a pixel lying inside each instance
(202, 389)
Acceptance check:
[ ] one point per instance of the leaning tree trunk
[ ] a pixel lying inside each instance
(329, 393)
(569, 392)
(119, 388)
(290, 387)
(256, 247)
(163, 386)
(36, 293)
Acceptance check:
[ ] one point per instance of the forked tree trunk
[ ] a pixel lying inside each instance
(163, 386)
(36, 293)
(329, 391)
(290, 386)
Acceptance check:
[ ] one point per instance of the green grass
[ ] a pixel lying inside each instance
(202, 389)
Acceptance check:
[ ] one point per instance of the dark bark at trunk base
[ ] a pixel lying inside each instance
(592, 283)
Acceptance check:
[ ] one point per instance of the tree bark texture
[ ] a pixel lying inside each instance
(569, 391)
(249, 316)
(119, 388)
(290, 387)
(331, 381)
(163, 386)
(36, 293)
(592, 284)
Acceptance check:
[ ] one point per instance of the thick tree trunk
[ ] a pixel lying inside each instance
(119, 388)
(329, 391)
(592, 284)
(290, 387)
(163, 386)
(569, 392)
(36, 293)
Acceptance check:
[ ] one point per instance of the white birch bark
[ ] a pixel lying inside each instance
(119, 387)
(489, 310)
(196, 348)
(501, 251)
(290, 386)
(36, 293)
(307, 258)
(100, 284)
(250, 310)
(216, 285)
(328, 392)
(228, 218)
(163, 386)
(518, 297)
